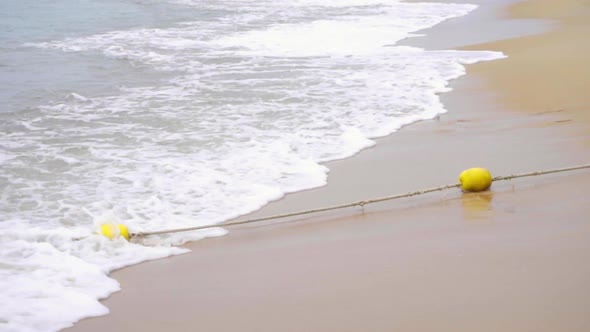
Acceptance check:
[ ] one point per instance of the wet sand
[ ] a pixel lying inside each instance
(516, 258)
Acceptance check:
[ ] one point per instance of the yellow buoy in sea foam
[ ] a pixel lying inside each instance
(475, 179)
(123, 231)
(109, 230)
(113, 231)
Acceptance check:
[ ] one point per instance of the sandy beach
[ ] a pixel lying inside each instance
(515, 258)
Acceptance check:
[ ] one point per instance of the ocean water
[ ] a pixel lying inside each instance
(162, 114)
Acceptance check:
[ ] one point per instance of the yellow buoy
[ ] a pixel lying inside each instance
(109, 230)
(475, 179)
(113, 231)
(123, 231)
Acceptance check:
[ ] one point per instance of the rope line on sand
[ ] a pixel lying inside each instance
(357, 203)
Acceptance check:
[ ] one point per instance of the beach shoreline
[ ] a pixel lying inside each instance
(445, 262)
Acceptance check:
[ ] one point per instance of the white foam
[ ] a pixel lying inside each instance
(258, 99)
(49, 279)
(348, 35)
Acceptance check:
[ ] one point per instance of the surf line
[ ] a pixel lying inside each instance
(471, 180)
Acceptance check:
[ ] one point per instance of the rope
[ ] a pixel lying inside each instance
(358, 203)
(558, 170)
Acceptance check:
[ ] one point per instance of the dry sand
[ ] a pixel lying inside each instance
(516, 258)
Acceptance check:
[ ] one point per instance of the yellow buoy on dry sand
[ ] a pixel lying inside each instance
(113, 231)
(475, 179)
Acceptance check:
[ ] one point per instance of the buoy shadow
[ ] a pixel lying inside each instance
(477, 206)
